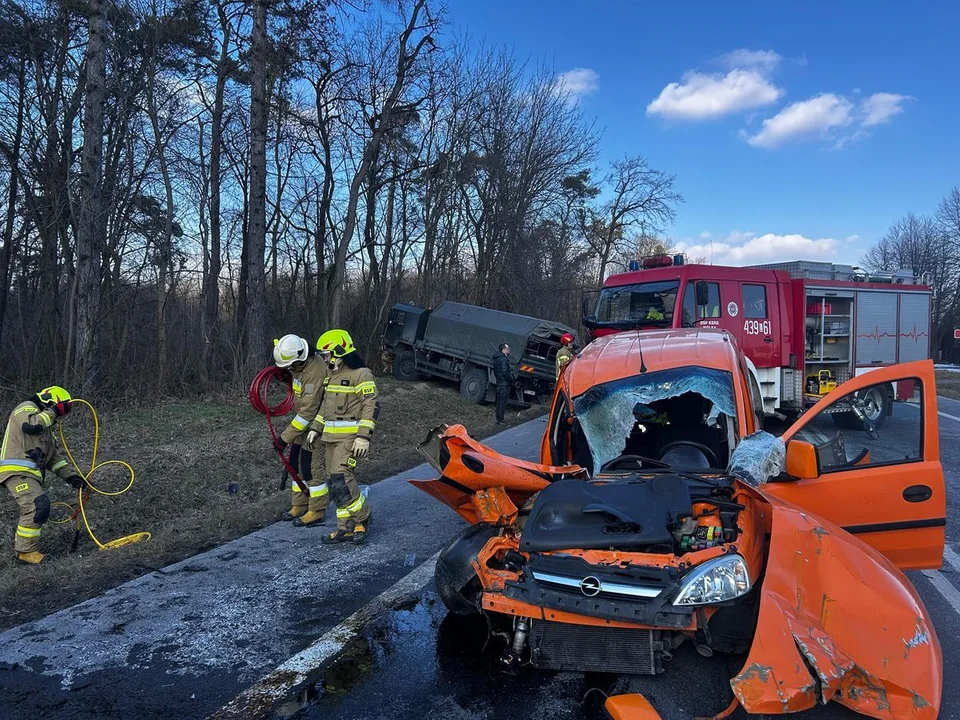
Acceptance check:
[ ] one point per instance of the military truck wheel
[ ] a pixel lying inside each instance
(473, 384)
(405, 365)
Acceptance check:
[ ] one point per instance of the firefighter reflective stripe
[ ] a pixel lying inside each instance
(42, 417)
(21, 466)
(365, 388)
(296, 488)
(26, 532)
(297, 386)
(368, 424)
(340, 427)
(351, 509)
(57, 466)
(318, 490)
(300, 422)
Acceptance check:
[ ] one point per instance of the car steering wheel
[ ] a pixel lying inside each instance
(639, 460)
(709, 454)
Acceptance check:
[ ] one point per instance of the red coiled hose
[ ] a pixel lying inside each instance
(259, 396)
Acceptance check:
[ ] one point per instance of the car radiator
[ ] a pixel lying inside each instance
(589, 648)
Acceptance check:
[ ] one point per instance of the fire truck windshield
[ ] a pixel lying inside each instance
(643, 304)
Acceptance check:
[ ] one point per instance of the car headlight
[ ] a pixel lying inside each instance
(718, 580)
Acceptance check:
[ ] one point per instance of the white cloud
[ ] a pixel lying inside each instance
(747, 248)
(576, 83)
(813, 117)
(703, 96)
(763, 61)
(880, 107)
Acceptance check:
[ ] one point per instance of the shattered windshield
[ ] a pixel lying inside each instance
(649, 303)
(649, 414)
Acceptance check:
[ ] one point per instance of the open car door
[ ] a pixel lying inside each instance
(866, 457)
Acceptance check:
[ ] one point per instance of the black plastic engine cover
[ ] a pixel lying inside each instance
(631, 513)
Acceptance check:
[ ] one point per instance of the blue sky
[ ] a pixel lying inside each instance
(795, 130)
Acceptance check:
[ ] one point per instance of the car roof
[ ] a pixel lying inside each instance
(617, 356)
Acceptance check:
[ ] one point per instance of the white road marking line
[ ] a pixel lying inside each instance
(945, 588)
(948, 415)
(258, 700)
(951, 557)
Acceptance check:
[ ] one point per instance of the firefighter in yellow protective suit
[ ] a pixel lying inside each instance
(29, 450)
(309, 372)
(346, 422)
(565, 353)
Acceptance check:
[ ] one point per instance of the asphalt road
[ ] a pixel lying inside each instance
(184, 641)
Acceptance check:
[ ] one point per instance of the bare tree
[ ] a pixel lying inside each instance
(254, 297)
(89, 228)
(642, 198)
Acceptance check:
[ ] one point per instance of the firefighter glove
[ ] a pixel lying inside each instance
(36, 454)
(279, 444)
(31, 429)
(312, 438)
(75, 481)
(361, 446)
(61, 408)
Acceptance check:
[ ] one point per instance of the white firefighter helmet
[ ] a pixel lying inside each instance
(290, 349)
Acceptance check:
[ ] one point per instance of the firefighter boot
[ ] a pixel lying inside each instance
(360, 532)
(294, 513)
(30, 558)
(310, 518)
(340, 535)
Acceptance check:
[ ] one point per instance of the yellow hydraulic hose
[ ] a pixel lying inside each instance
(94, 466)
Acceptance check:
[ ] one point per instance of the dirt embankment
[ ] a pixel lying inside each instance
(205, 474)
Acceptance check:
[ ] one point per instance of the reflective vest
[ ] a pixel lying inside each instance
(350, 405)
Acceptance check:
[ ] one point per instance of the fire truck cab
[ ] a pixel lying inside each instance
(804, 326)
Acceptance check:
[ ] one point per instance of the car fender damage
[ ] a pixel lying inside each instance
(838, 621)
(611, 570)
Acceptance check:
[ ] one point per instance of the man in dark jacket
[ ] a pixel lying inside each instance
(504, 378)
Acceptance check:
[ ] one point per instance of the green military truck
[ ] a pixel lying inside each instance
(458, 342)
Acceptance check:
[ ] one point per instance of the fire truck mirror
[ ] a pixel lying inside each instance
(703, 293)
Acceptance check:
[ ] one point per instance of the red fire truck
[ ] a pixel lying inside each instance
(804, 326)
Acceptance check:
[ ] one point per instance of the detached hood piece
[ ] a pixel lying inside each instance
(837, 622)
(479, 483)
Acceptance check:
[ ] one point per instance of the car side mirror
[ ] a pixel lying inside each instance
(702, 293)
(588, 301)
(802, 462)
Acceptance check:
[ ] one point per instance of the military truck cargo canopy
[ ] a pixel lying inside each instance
(454, 317)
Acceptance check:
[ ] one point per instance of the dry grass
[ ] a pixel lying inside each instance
(948, 384)
(185, 456)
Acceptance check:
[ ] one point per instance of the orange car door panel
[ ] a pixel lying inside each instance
(878, 450)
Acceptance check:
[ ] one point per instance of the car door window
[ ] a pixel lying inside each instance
(868, 428)
(754, 302)
(689, 306)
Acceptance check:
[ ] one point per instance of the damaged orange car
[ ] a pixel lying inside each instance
(661, 513)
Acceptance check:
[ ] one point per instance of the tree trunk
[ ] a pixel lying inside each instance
(14, 162)
(255, 321)
(89, 243)
(211, 281)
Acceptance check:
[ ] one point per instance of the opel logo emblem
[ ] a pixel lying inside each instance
(590, 586)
